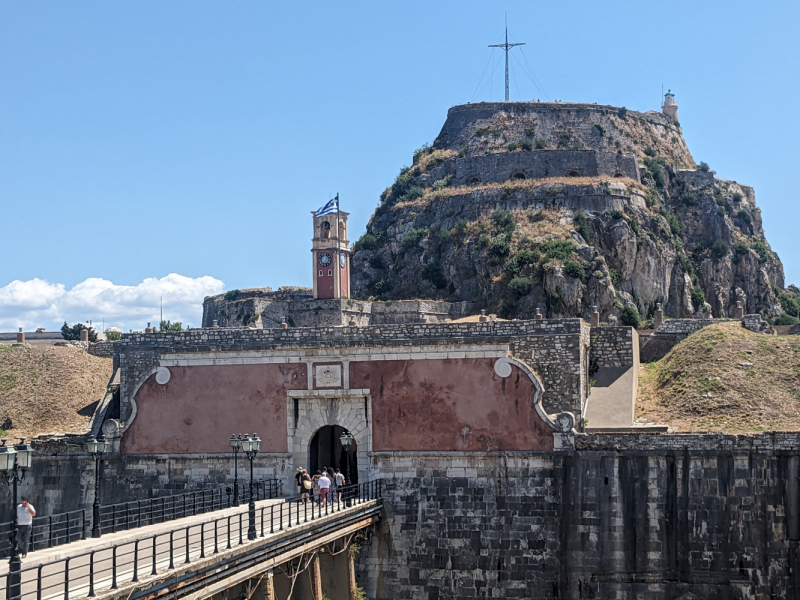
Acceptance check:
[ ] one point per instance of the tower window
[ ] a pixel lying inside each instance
(320, 273)
(326, 230)
(330, 272)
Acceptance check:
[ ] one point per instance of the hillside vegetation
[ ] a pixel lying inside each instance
(724, 378)
(46, 389)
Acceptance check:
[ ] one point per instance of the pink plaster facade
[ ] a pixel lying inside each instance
(450, 404)
(200, 407)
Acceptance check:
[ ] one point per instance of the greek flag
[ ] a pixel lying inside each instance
(331, 207)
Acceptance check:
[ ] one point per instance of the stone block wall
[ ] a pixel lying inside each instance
(757, 324)
(104, 349)
(536, 164)
(613, 347)
(554, 348)
(625, 517)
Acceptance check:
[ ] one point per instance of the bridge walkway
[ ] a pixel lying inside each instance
(193, 553)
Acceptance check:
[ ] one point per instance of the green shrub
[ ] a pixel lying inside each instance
(521, 286)
(737, 196)
(761, 249)
(654, 168)
(231, 295)
(424, 149)
(500, 246)
(617, 214)
(462, 153)
(113, 336)
(719, 249)
(690, 199)
(540, 144)
(518, 262)
(445, 235)
(698, 297)
(629, 316)
(412, 193)
(558, 249)
(652, 198)
(442, 183)
(649, 151)
(504, 220)
(526, 144)
(460, 226)
(576, 268)
(745, 216)
(368, 241)
(177, 326)
(786, 320)
(612, 273)
(380, 287)
(674, 223)
(703, 166)
(513, 146)
(582, 224)
(74, 332)
(622, 112)
(412, 238)
(789, 304)
(634, 225)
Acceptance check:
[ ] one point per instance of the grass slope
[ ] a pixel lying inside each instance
(47, 389)
(724, 378)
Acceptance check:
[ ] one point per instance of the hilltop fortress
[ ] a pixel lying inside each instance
(473, 343)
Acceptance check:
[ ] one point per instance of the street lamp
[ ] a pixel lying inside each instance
(251, 445)
(346, 439)
(96, 449)
(14, 461)
(236, 445)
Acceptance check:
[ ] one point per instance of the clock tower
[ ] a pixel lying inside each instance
(330, 256)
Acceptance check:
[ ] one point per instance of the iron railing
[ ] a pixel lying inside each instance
(86, 574)
(63, 528)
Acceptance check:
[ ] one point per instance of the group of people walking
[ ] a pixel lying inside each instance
(323, 486)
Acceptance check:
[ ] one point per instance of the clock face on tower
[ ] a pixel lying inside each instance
(342, 260)
(325, 258)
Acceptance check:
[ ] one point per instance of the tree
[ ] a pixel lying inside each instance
(74, 332)
(628, 315)
(168, 326)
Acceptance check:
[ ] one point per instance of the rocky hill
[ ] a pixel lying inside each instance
(46, 389)
(561, 207)
(724, 378)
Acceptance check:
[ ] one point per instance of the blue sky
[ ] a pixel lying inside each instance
(139, 140)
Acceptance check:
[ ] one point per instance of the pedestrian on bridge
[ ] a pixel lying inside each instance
(339, 479)
(25, 514)
(306, 485)
(324, 488)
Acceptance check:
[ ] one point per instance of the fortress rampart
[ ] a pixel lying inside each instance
(536, 164)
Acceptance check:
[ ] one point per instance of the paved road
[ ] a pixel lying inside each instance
(67, 571)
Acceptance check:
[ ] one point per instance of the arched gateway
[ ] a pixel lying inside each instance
(326, 450)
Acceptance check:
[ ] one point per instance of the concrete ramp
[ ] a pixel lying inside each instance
(612, 398)
(614, 371)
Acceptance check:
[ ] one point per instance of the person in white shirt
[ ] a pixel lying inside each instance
(324, 486)
(339, 482)
(25, 514)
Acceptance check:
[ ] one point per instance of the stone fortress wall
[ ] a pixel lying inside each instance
(536, 164)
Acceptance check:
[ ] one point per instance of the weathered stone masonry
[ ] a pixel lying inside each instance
(625, 516)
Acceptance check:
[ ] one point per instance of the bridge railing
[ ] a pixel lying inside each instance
(63, 528)
(86, 574)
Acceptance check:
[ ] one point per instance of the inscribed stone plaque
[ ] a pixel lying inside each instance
(328, 375)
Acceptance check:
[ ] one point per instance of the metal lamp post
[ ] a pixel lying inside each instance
(236, 445)
(96, 449)
(14, 462)
(251, 446)
(346, 439)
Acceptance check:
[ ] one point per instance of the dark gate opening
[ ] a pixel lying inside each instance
(326, 451)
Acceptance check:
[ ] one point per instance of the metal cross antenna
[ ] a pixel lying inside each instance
(506, 47)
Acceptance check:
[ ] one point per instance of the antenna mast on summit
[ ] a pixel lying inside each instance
(506, 47)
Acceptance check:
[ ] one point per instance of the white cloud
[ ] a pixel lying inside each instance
(39, 303)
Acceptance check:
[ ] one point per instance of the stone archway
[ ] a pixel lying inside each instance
(325, 450)
(310, 411)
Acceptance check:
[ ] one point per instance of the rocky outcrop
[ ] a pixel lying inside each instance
(525, 236)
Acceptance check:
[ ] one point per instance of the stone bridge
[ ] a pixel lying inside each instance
(291, 549)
